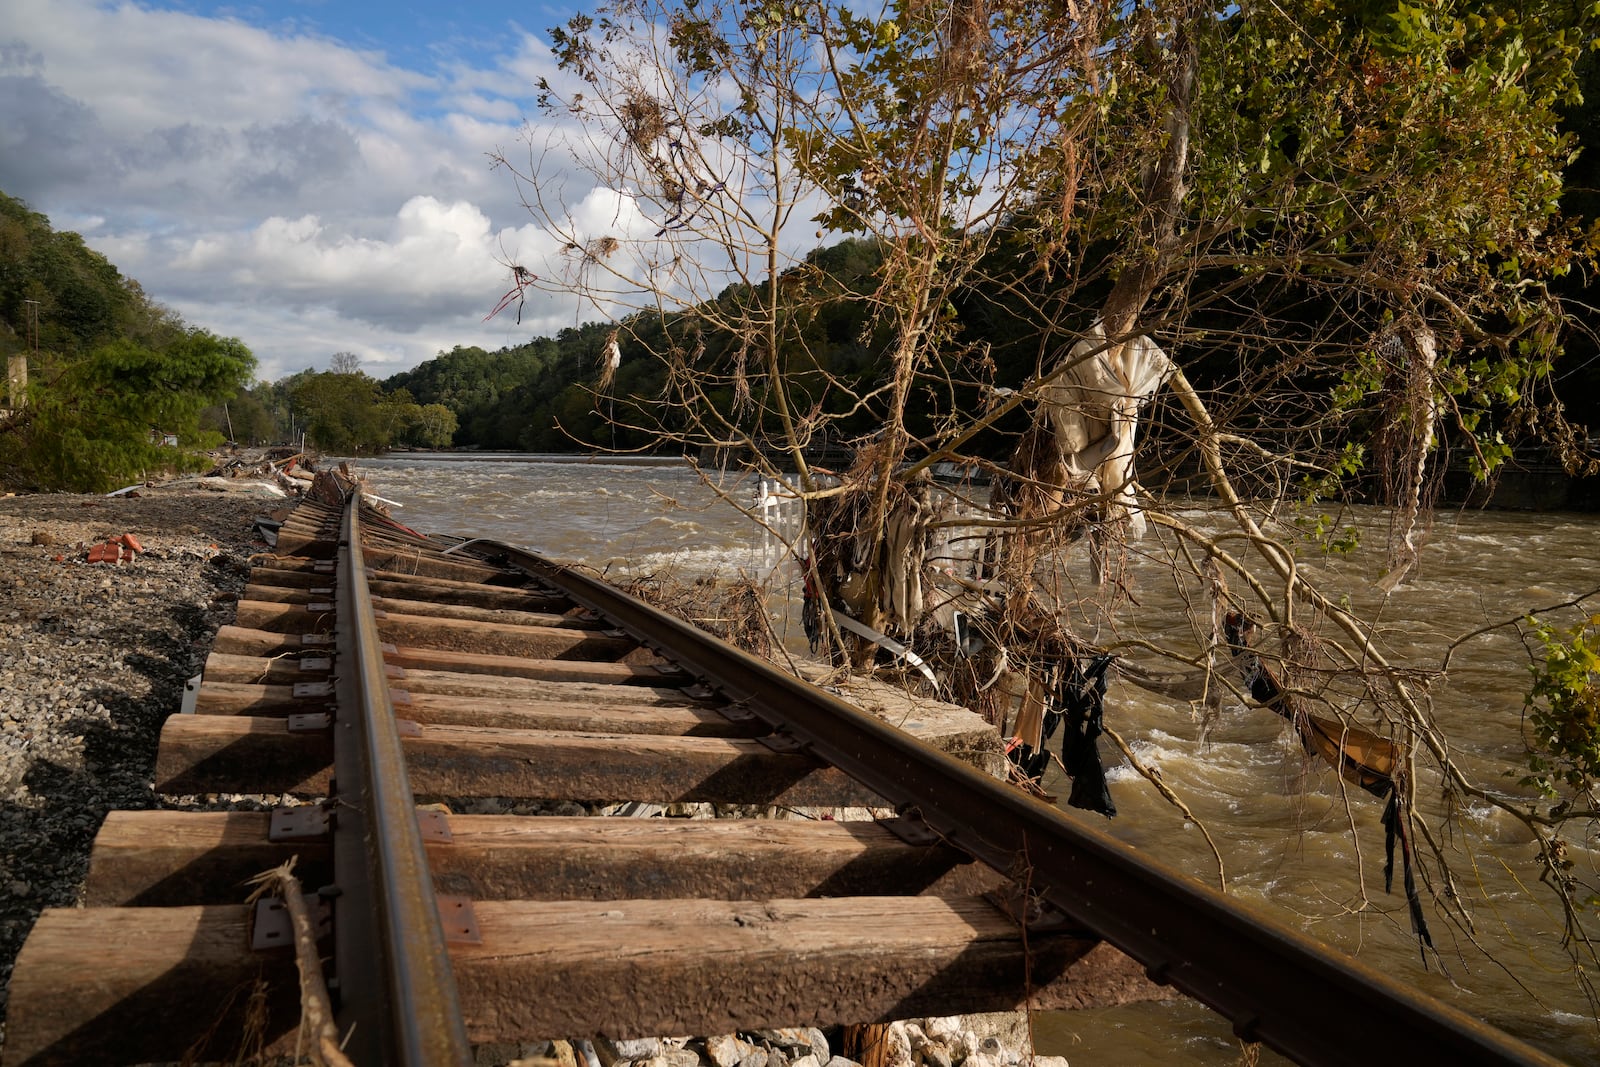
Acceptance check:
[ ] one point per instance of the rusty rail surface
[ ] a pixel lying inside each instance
(397, 993)
(173, 932)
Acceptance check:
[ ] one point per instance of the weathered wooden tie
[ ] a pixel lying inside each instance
(617, 926)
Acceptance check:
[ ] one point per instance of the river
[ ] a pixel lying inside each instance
(1293, 842)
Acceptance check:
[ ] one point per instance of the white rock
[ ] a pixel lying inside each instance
(726, 1050)
(638, 1049)
(898, 1042)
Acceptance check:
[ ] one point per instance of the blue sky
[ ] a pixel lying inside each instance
(311, 177)
(411, 34)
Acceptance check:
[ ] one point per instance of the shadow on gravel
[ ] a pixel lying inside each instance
(47, 828)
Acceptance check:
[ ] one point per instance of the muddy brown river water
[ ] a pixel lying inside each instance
(1293, 842)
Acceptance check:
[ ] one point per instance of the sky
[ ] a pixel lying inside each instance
(310, 176)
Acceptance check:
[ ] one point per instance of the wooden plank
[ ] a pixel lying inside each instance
(240, 754)
(310, 539)
(167, 858)
(135, 984)
(139, 985)
(251, 754)
(283, 669)
(542, 642)
(429, 565)
(474, 595)
(278, 594)
(285, 575)
(414, 657)
(284, 618)
(434, 671)
(247, 641)
(442, 684)
(617, 715)
(170, 858)
(643, 967)
(491, 616)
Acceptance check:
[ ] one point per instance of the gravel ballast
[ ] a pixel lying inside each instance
(93, 658)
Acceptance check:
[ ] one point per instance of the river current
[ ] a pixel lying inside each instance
(1293, 843)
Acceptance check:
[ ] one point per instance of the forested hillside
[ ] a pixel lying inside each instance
(98, 373)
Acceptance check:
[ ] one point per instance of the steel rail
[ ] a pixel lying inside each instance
(398, 999)
(1273, 983)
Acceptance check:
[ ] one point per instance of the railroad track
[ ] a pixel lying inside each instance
(382, 669)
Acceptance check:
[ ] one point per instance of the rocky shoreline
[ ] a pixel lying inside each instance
(95, 656)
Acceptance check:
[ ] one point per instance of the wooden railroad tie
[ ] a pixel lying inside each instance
(625, 927)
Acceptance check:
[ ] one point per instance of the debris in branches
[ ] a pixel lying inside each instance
(520, 280)
(1094, 405)
(1361, 757)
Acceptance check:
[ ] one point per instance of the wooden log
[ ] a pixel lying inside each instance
(149, 858)
(136, 984)
(251, 754)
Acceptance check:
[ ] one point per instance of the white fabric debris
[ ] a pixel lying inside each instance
(1094, 406)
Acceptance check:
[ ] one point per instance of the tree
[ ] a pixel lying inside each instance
(1341, 221)
(341, 413)
(89, 423)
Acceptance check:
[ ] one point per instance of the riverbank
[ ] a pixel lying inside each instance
(93, 657)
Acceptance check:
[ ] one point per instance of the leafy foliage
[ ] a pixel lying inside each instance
(1563, 710)
(98, 421)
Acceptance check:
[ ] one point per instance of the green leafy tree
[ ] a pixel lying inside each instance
(341, 412)
(98, 421)
(433, 426)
